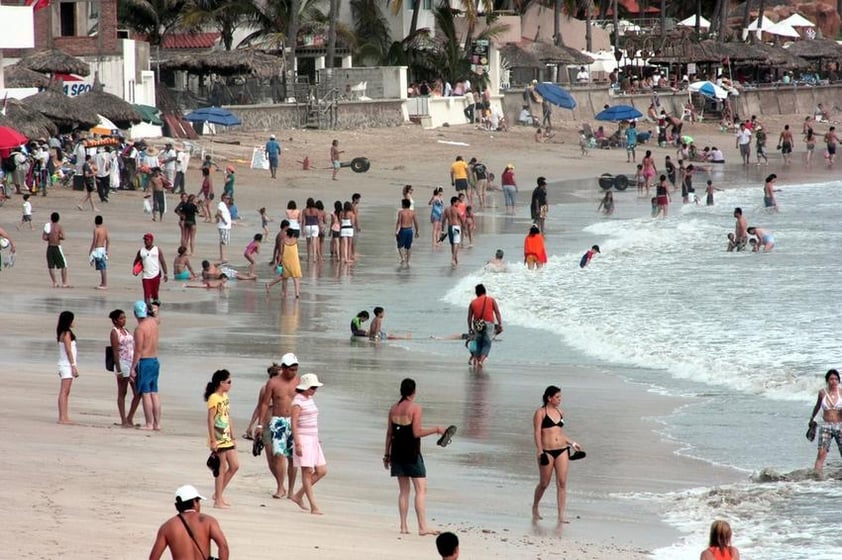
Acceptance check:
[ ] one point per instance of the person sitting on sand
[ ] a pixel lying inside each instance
(181, 266)
(357, 324)
(376, 332)
(214, 276)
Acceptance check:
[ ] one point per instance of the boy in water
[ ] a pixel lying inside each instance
(586, 258)
(376, 332)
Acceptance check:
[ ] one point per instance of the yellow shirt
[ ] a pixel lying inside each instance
(221, 422)
(459, 169)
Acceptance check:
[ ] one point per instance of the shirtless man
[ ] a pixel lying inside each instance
(158, 197)
(145, 366)
(785, 143)
(452, 223)
(278, 395)
(99, 251)
(831, 140)
(174, 535)
(403, 230)
(740, 229)
(54, 234)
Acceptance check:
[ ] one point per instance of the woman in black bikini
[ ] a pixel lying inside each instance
(555, 450)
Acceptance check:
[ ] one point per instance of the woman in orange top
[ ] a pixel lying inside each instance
(719, 546)
(534, 254)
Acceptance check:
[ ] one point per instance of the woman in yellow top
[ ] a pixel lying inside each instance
(223, 462)
(291, 263)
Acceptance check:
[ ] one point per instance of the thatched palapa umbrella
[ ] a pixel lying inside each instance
(817, 48)
(54, 61)
(777, 56)
(552, 54)
(120, 112)
(55, 105)
(17, 76)
(515, 56)
(30, 123)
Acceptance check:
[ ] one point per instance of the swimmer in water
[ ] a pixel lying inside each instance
(765, 240)
(497, 264)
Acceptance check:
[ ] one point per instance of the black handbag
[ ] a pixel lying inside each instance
(109, 358)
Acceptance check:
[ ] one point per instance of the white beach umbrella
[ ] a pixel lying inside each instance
(782, 30)
(766, 24)
(691, 22)
(708, 89)
(797, 20)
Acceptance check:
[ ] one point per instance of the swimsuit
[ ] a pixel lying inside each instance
(147, 375)
(405, 450)
(454, 234)
(183, 275)
(404, 237)
(346, 228)
(281, 429)
(436, 212)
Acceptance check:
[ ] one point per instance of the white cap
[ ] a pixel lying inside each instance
(308, 381)
(187, 493)
(272, 136)
(289, 359)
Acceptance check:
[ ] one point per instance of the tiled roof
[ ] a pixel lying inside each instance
(178, 41)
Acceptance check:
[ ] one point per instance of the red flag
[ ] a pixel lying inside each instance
(38, 4)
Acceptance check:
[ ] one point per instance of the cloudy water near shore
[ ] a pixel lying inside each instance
(745, 338)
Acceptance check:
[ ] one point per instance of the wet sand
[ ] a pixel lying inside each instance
(96, 490)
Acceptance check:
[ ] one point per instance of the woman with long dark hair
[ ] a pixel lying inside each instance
(404, 430)
(220, 434)
(67, 368)
(122, 349)
(555, 450)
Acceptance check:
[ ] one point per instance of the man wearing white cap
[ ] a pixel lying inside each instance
(273, 153)
(278, 393)
(188, 535)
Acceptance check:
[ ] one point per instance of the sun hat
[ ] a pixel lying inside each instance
(308, 381)
(140, 309)
(289, 359)
(187, 493)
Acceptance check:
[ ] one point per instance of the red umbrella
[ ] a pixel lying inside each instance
(11, 138)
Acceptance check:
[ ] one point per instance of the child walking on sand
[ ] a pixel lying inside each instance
(470, 225)
(264, 221)
(253, 249)
(223, 461)
(26, 216)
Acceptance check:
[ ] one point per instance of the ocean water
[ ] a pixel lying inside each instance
(746, 337)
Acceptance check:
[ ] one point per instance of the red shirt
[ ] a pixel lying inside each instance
(508, 177)
(477, 311)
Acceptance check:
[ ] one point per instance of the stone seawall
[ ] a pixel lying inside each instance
(349, 115)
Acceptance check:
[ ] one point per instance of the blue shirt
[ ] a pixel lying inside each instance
(273, 148)
(631, 136)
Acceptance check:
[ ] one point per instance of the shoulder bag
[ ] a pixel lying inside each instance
(479, 323)
(193, 538)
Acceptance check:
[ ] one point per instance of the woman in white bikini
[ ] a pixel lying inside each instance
(555, 450)
(830, 426)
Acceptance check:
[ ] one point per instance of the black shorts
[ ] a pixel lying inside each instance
(461, 184)
(55, 257)
(412, 470)
(89, 184)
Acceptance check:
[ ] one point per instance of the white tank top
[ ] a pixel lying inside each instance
(63, 359)
(151, 264)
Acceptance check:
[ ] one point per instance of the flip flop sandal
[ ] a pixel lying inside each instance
(213, 464)
(445, 438)
(257, 447)
(247, 436)
(577, 454)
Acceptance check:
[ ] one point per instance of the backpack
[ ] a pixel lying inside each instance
(9, 164)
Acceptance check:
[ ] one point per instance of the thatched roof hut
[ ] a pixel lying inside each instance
(55, 61)
(778, 56)
(535, 54)
(239, 62)
(817, 48)
(17, 76)
(59, 108)
(28, 122)
(684, 51)
(120, 112)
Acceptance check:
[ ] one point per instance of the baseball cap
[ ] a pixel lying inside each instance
(187, 493)
(140, 309)
(272, 136)
(289, 359)
(309, 380)
(148, 236)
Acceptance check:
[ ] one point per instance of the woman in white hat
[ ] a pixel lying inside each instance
(308, 451)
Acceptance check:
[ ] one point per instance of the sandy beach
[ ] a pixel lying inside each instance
(95, 490)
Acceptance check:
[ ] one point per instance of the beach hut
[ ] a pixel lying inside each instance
(115, 109)
(54, 61)
(17, 76)
(239, 62)
(29, 122)
(59, 108)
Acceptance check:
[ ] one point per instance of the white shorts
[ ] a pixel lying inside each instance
(311, 231)
(65, 372)
(126, 369)
(346, 232)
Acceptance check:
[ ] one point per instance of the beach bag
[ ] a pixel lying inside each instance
(109, 358)
(479, 324)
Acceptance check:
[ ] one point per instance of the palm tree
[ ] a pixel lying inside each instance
(663, 18)
(760, 11)
(449, 59)
(371, 30)
(397, 8)
(331, 32)
(472, 9)
(153, 18)
(225, 15)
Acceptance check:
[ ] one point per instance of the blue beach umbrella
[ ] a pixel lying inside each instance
(213, 115)
(619, 113)
(556, 95)
(709, 89)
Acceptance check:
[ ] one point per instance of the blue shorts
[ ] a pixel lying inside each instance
(483, 342)
(281, 429)
(147, 375)
(405, 235)
(273, 161)
(100, 264)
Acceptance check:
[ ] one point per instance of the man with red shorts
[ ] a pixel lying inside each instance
(151, 263)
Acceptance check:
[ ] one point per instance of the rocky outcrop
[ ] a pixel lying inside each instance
(821, 12)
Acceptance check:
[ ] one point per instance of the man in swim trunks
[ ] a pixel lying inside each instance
(785, 143)
(452, 220)
(145, 366)
(99, 251)
(483, 309)
(278, 394)
(831, 140)
(744, 143)
(740, 230)
(404, 230)
(769, 193)
(459, 174)
(54, 234)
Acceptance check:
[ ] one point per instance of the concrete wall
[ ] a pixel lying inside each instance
(383, 82)
(350, 115)
(770, 101)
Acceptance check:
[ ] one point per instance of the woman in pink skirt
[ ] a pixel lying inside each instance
(308, 451)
